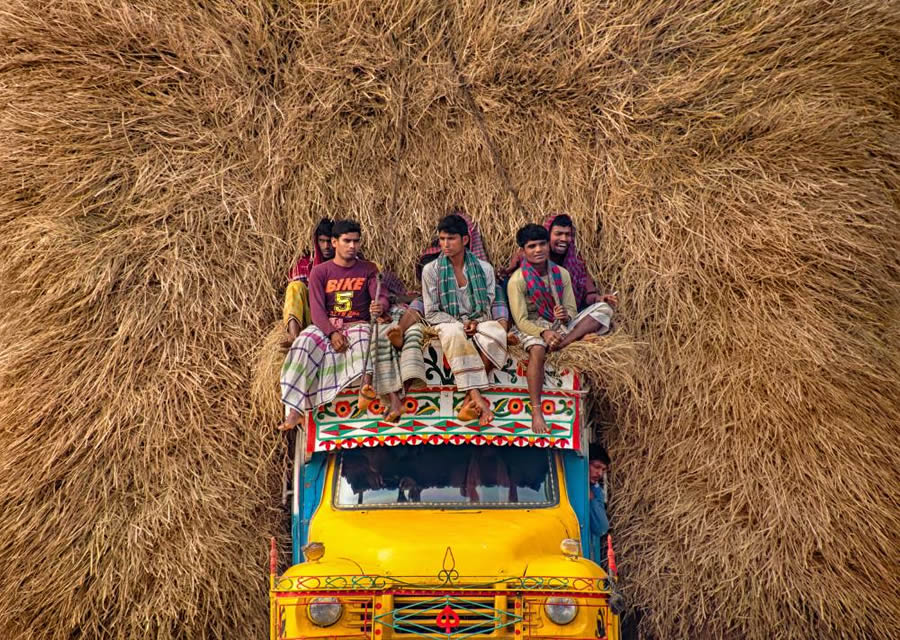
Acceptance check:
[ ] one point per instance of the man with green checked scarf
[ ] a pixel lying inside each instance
(458, 290)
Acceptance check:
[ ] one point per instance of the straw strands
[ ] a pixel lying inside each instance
(732, 167)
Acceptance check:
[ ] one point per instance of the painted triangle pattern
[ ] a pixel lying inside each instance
(341, 424)
(338, 426)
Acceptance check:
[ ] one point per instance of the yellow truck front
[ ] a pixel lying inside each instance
(431, 528)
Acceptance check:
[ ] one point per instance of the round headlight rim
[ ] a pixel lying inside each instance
(326, 601)
(561, 601)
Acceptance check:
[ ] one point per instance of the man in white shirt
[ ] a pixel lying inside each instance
(458, 291)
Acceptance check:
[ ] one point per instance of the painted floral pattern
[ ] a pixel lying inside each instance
(341, 424)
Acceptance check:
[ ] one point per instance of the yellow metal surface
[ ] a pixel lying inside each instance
(484, 542)
(508, 560)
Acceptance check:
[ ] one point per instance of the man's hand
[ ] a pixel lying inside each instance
(509, 269)
(375, 309)
(339, 342)
(611, 299)
(560, 313)
(551, 338)
(470, 327)
(506, 271)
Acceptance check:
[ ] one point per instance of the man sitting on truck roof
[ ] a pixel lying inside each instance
(328, 355)
(458, 291)
(296, 296)
(542, 304)
(564, 252)
(407, 335)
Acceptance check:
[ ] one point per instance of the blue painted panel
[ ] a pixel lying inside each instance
(576, 468)
(312, 481)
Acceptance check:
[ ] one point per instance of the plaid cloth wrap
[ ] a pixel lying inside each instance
(476, 286)
(538, 291)
(314, 373)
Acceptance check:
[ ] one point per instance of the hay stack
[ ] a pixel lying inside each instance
(135, 232)
(159, 160)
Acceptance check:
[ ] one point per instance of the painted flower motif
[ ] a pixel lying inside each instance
(515, 405)
(376, 408)
(548, 407)
(342, 408)
(410, 405)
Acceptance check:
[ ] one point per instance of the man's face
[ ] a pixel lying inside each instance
(560, 239)
(325, 247)
(346, 246)
(596, 469)
(536, 251)
(452, 244)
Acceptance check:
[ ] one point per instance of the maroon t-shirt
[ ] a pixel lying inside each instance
(343, 293)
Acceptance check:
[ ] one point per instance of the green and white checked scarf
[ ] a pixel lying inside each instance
(476, 288)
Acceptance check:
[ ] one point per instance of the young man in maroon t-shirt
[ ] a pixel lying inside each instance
(328, 355)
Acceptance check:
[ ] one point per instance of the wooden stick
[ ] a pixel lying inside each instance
(556, 323)
(373, 331)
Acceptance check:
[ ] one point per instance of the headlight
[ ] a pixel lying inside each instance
(561, 610)
(324, 612)
(570, 548)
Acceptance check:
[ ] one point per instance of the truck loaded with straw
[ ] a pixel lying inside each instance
(434, 528)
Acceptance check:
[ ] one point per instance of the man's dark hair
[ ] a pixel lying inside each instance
(562, 220)
(530, 233)
(453, 225)
(324, 228)
(341, 227)
(598, 452)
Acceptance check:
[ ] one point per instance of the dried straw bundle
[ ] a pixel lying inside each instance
(136, 486)
(159, 161)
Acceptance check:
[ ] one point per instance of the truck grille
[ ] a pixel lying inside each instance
(451, 617)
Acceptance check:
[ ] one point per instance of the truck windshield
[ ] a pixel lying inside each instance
(445, 476)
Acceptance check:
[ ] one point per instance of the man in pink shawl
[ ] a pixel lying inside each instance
(296, 316)
(322, 251)
(564, 252)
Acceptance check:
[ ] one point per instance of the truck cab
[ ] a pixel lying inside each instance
(433, 528)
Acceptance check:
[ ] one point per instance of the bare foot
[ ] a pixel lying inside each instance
(366, 397)
(468, 411)
(293, 419)
(511, 340)
(396, 409)
(414, 383)
(538, 424)
(484, 408)
(395, 337)
(487, 416)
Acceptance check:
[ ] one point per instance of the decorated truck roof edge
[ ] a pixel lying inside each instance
(430, 413)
